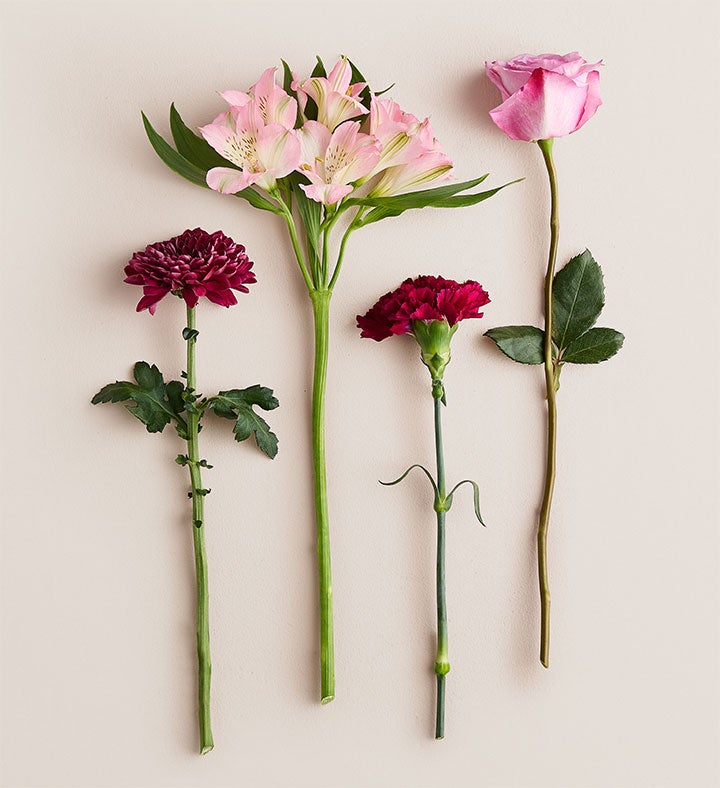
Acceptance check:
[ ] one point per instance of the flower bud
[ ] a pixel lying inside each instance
(434, 337)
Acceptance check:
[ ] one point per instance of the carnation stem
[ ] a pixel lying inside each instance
(550, 386)
(321, 308)
(442, 666)
(203, 630)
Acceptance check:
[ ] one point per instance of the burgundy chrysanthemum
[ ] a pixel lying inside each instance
(423, 298)
(194, 264)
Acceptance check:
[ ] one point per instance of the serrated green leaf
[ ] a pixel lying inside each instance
(174, 160)
(523, 344)
(594, 346)
(578, 298)
(148, 396)
(173, 391)
(195, 149)
(238, 404)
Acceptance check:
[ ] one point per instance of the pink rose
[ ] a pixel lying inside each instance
(544, 96)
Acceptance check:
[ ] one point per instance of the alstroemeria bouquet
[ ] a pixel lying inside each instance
(193, 265)
(548, 96)
(429, 309)
(327, 155)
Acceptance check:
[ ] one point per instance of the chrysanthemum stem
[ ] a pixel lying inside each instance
(198, 523)
(550, 386)
(442, 665)
(321, 309)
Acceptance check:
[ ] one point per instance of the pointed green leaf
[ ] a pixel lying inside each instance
(578, 298)
(523, 344)
(465, 200)
(194, 148)
(476, 497)
(424, 470)
(172, 158)
(238, 404)
(594, 346)
(287, 87)
(151, 402)
(385, 90)
(356, 76)
(377, 214)
(319, 70)
(417, 199)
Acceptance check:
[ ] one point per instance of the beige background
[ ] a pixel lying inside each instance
(97, 653)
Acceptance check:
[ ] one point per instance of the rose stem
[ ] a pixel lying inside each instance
(442, 666)
(203, 631)
(550, 386)
(321, 308)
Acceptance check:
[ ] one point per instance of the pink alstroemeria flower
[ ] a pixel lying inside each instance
(334, 161)
(273, 103)
(397, 133)
(264, 153)
(337, 100)
(544, 96)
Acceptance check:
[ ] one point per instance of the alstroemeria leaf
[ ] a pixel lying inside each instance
(153, 402)
(523, 344)
(310, 212)
(356, 76)
(238, 404)
(377, 214)
(319, 70)
(594, 346)
(287, 87)
(195, 149)
(465, 200)
(174, 160)
(578, 298)
(380, 92)
(417, 199)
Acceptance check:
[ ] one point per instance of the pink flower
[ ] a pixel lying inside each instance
(424, 299)
(191, 265)
(544, 96)
(273, 103)
(264, 153)
(332, 162)
(337, 100)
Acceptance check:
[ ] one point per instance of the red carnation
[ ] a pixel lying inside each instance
(193, 265)
(425, 298)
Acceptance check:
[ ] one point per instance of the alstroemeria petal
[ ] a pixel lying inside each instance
(227, 181)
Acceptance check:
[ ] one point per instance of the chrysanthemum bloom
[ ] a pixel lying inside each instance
(429, 308)
(192, 265)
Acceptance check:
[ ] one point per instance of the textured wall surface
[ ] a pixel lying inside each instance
(98, 662)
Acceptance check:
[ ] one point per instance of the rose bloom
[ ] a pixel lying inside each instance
(426, 299)
(544, 96)
(191, 265)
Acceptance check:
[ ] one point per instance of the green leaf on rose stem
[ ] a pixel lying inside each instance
(523, 344)
(578, 298)
(238, 404)
(195, 149)
(172, 158)
(151, 402)
(594, 346)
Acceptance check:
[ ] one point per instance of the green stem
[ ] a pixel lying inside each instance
(203, 629)
(341, 252)
(551, 387)
(294, 240)
(442, 666)
(321, 309)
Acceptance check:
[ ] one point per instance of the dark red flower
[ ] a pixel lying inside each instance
(424, 298)
(194, 264)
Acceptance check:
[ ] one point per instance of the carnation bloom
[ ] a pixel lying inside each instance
(544, 96)
(425, 298)
(192, 265)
